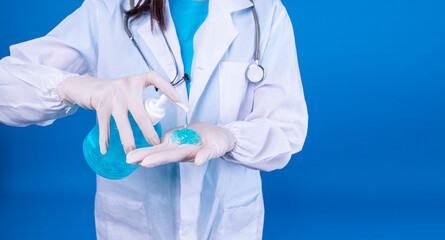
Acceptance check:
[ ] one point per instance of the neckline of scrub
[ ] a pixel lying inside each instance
(190, 6)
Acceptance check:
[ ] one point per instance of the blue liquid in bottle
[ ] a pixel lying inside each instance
(113, 164)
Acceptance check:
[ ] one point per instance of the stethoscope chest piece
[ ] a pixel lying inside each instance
(255, 73)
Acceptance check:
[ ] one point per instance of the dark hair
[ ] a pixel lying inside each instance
(156, 8)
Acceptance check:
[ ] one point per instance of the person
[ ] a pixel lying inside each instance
(212, 191)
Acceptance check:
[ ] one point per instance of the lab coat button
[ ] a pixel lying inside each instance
(186, 229)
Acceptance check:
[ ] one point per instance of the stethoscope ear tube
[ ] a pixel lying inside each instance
(256, 56)
(126, 21)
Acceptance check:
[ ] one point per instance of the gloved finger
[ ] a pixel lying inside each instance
(153, 78)
(174, 153)
(143, 120)
(208, 152)
(103, 119)
(124, 128)
(136, 156)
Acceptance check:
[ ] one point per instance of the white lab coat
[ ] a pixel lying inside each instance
(221, 199)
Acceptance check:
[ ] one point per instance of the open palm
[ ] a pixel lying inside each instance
(215, 142)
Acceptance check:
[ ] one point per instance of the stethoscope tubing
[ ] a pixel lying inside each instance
(256, 56)
(175, 80)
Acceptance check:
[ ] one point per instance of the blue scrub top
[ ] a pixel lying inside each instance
(187, 16)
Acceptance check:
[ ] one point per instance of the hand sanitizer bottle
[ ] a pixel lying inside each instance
(113, 164)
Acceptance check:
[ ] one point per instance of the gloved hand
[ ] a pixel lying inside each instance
(115, 97)
(215, 142)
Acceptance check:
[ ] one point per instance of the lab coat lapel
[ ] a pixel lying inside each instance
(157, 45)
(211, 41)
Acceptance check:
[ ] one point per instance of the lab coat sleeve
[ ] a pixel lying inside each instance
(30, 75)
(277, 125)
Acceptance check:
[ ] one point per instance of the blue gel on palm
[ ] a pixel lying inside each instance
(185, 136)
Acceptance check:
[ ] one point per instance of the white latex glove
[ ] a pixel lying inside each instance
(115, 97)
(215, 142)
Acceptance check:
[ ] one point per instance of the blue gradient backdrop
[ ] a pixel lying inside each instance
(373, 164)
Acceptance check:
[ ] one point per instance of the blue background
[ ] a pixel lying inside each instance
(373, 163)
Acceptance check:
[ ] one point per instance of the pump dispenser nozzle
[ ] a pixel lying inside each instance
(156, 110)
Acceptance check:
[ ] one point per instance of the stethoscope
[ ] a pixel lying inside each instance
(254, 72)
